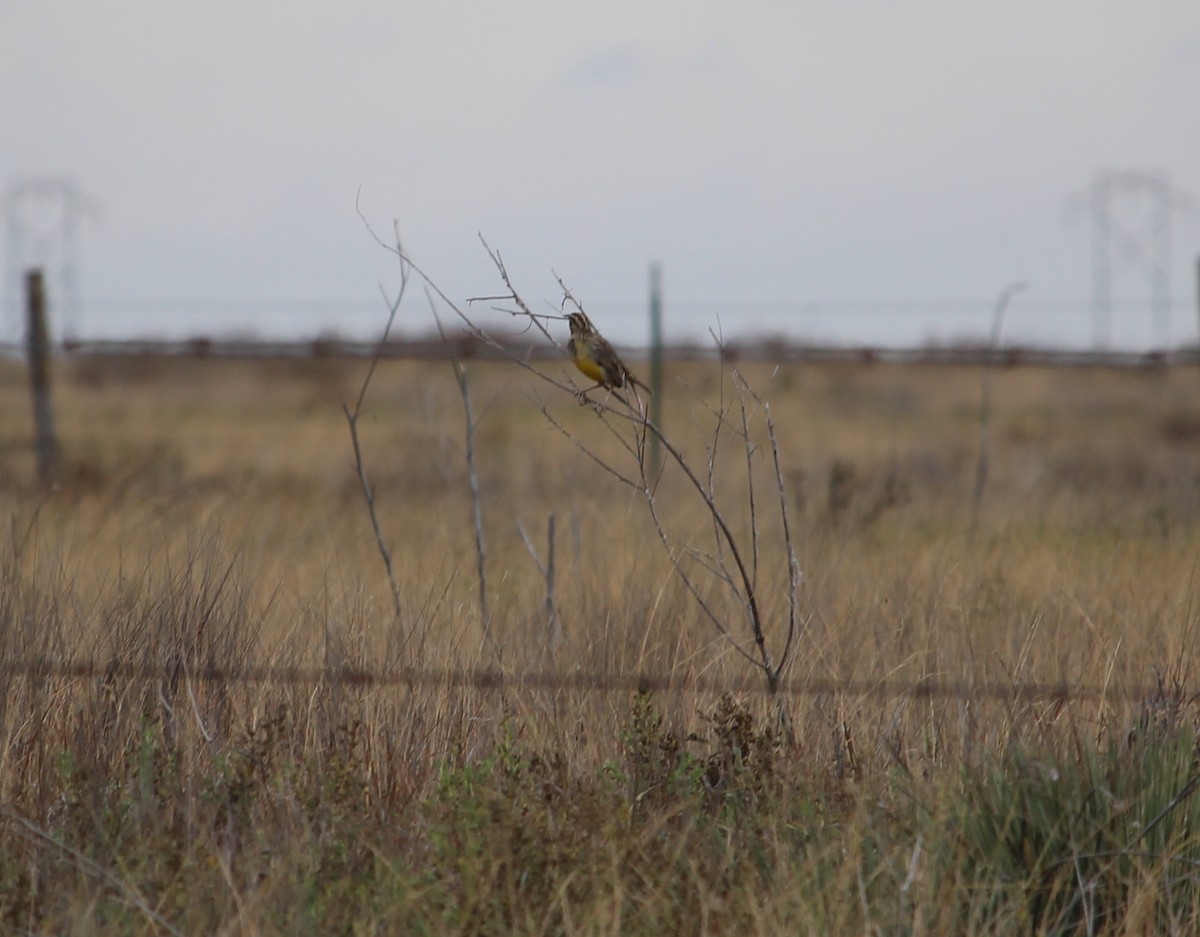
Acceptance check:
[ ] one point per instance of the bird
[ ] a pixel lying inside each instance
(595, 357)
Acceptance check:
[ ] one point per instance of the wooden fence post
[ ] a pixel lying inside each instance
(49, 462)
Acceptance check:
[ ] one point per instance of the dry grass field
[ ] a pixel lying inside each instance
(214, 721)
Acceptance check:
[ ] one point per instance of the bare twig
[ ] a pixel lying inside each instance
(749, 449)
(985, 404)
(711, 467)
(551, 611)
(674, 555)
(369, 496)
(747, 594)
(715, 568)
(464, 391)
(553, 622)
(795, 576)
(352, 416)
(584, 449)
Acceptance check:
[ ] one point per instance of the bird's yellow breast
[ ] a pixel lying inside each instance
(585, 363)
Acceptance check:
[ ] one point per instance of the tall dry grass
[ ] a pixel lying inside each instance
(211, 523)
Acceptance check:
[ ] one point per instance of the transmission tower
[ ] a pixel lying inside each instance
(42, 218)
(1131, 230)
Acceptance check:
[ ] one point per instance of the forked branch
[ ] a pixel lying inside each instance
(352, 417)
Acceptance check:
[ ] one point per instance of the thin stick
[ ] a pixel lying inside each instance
(352, 417)
(674, 556)
(464, 391)
(749, 448)
(585, 450)
(553, 623)
(551, 611)
(369, 498)
(795, 575)
(985, 404)
(743, 573)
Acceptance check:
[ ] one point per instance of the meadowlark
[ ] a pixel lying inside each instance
(595, 357)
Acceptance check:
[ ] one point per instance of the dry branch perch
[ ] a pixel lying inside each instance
(632, 427)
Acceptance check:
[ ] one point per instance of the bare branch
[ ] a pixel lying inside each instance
(369, 496)
(513, 294)
(393, 308)
(730, 541)
(795, 574)
(749, 449)
(674, 557)
(724, 533)
(584, 449)
(717, 570)
(547, 570)
(352, 415)
(464, 391)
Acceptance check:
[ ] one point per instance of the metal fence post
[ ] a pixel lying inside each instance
(656, 364)
(49, 461)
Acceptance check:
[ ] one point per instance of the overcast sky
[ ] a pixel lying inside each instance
(769, 154)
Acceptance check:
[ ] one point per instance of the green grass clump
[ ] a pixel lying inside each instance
(1069, 845)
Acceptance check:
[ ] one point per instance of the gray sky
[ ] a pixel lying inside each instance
(771, 155)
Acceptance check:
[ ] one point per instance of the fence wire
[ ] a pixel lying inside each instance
(493, 679)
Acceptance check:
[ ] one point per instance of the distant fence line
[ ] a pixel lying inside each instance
(490, 679)
(467, 347)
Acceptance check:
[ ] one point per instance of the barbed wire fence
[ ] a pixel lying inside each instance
(485, 678)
